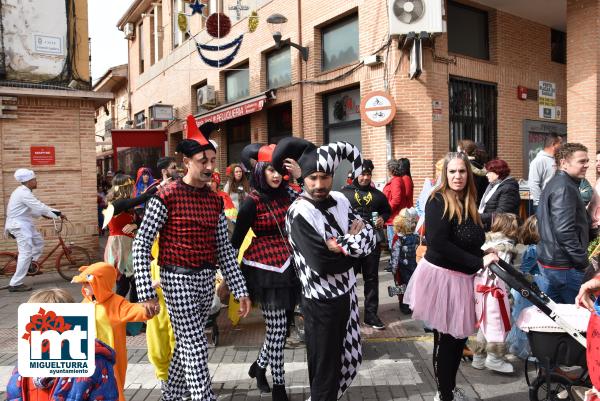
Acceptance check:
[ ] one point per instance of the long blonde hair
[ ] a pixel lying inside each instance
(122, 188)
(453, 205)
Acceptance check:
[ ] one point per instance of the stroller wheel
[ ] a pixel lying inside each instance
(559, 388)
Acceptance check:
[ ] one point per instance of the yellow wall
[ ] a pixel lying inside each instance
(81, 60)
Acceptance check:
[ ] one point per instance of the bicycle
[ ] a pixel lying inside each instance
(68, 261)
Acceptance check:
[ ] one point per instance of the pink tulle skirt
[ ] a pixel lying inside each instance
(443, 299)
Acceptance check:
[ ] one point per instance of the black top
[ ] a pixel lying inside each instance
(366, 200)
(506, 199)
(122, 205)
(449, 244)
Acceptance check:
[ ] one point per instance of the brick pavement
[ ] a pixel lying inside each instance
(397, 361)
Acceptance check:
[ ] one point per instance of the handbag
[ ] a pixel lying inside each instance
(492, 306)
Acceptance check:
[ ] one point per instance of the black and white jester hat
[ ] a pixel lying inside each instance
(323, 159)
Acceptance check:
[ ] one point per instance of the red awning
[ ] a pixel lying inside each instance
(137, 138)
(236, 109)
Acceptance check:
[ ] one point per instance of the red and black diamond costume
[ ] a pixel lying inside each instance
(267, 264)
(193, 241)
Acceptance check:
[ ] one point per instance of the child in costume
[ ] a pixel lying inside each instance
(501, 238)
(101, 386)
(403, 260)
(112, 312)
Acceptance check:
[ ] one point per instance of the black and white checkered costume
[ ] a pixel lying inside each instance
(271, 353)
(188, 298)
(325, 275)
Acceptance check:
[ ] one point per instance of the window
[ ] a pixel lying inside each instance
(279, 122)
(157, 35)
(473, 113)
(279, 68)
(342, 123)
(468, 31)
(179, 6)
(340, 43)
(139, 119)
(141, 42)
(558, 43)
(237, 84)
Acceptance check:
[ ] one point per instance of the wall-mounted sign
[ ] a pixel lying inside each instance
(161, 112)
(377, 108)
(436, 110)
(42, 156)
(48, 44)
(547, 100)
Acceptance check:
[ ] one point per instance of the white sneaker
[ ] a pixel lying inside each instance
(478, 361)
(498, 364)
(437, 396)
(458, 393)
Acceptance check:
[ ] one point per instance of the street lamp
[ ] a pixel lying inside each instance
(276, 25)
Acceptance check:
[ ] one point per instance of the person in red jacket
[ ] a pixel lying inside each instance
(394, 192)
(407, 181)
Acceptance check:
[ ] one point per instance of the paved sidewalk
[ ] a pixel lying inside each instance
(397, 360)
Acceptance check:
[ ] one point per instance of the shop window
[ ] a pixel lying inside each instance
(238, 136)
(141, 43)
(139, 119)
(279, 68)
(473, 113)
(468, 31)
(558, 42)
(279, 122)
(342, 123)
(237, 83)
(339, 43)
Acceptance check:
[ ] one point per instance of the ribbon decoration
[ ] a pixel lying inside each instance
(499, 294)
(236, 44)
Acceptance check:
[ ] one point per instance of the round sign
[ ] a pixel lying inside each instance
(377, 108)
(218, 25)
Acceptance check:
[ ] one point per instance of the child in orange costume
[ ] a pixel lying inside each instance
(112, 312)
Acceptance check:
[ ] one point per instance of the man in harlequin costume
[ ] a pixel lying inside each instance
(112, 313)
(327, 237)
(193, 239)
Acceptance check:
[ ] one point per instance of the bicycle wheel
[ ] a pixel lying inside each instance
(559, 388)
(71, 260)
(8, 263)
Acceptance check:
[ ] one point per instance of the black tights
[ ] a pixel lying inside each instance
(447, 353)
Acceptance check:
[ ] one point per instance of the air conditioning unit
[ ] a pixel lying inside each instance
(415, 16)
(206, 97)
(129, 31)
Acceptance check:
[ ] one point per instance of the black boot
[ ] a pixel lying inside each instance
(279, 393)
(261, 378)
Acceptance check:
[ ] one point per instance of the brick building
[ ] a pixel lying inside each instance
(47, 115)
(468, 87)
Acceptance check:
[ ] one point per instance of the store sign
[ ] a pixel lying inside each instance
(547, 100)
(377, 108)
(233, 112)
(161, 112)
(42, 156)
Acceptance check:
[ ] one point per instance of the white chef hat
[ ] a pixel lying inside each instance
(24, 175)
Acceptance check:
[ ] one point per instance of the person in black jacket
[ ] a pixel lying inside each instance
(366, 200)
(564, 225)
(501, 195)
(440, 291)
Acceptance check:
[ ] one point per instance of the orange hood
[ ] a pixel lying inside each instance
(101, 276)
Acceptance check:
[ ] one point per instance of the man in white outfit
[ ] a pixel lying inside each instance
(22, 210)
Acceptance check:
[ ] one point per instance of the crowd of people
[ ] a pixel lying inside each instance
(300, 242)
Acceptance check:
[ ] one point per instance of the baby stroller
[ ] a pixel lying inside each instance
(557, 343)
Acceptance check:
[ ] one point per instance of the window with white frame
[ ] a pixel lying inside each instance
(139, 119)
(178, 7)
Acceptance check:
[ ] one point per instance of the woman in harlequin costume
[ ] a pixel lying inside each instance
(267, 263)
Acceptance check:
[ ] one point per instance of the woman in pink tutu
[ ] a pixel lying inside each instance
(440, 291)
